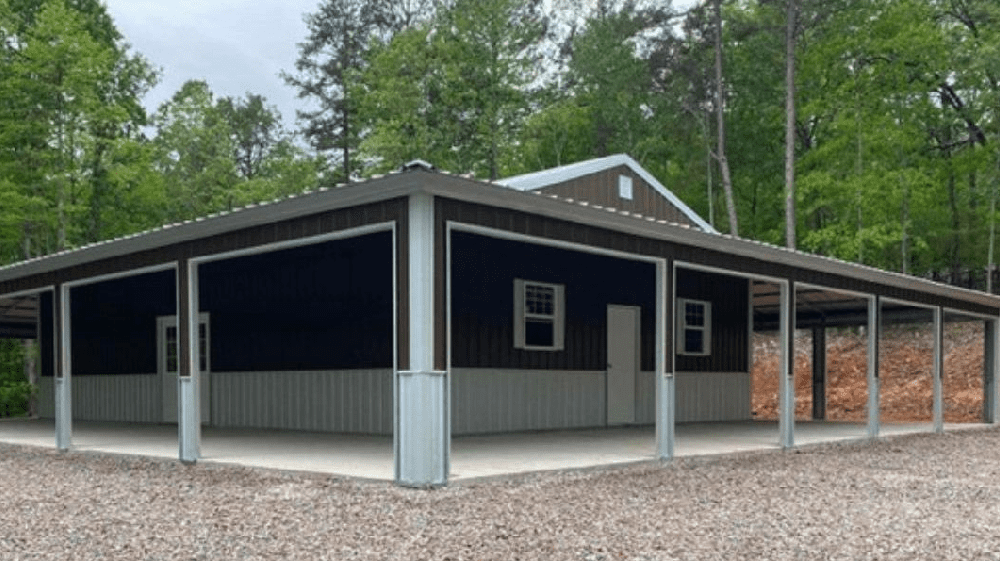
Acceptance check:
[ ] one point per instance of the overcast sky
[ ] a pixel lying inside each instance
(237, 46)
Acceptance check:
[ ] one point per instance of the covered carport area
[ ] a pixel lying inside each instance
(369, 457)
(915, 376)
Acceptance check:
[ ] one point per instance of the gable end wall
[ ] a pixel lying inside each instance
(602, 189)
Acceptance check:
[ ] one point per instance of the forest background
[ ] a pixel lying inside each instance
(893, 135)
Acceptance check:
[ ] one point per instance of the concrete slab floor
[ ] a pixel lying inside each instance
(472, 457)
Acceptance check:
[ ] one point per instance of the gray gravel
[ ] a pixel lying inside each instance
(915, 497)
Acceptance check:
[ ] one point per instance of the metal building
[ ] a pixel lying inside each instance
(425, 305)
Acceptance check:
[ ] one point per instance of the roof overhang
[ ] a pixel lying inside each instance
(421, 180)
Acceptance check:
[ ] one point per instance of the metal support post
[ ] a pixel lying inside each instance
(63, 367)
(991, 355)
(786, 380)
(189, 369)
(874, 333)
(665, 400)
(938, 370)
(422, 435)
(819, 373)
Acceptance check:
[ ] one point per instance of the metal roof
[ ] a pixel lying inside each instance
(421, 179)
(545, 178)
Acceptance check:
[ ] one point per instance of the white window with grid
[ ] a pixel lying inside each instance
(694, 327)
(538, 315)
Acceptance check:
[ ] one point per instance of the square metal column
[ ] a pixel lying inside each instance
(819, 373)
(786, 370)
(991, 354)
(62, 339)
(665, 383)
(938, 369)
(874, 332)
(422, 431)
(188, 364)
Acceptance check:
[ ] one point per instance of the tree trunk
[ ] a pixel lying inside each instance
(993, 228)
(709, 180)
(956, 221)
(720, 106)
(790, 126)
(905, 219)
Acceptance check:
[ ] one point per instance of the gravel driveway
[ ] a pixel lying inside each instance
(913, 497)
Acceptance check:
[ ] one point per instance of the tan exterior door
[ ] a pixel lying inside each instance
(623, 363)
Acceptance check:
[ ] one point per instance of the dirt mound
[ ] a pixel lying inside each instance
(906, 368)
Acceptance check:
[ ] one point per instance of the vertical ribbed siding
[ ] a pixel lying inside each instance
(126, 398)
(713, 396)
(701, 396)
(348, 401)
(645, 398)
(489, 400)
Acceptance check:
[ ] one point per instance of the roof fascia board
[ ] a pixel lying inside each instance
(628, 223)
(546, 178)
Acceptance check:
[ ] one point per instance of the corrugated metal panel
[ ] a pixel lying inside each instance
(422, 444)
(713, 396)
(129, 398)
(355, 401)
(645, 398)
(730, 309)
(489, 400)
(602, 189)
(701, 396)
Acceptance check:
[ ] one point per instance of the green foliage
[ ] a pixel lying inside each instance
(220, 154)
(897, 128)
(450, 90)
(15, 391)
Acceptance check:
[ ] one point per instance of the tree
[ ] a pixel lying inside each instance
(610, 80)
(255, 129)
(71, 89)
(329, 63)
(217, 154)
(194, 152)
(720, 119)
(790, 221)
(450, 90)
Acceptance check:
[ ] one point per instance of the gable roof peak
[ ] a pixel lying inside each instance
(545, 178)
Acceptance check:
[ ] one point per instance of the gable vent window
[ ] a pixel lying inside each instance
(625, 187)
(694, 327)
(538, 315)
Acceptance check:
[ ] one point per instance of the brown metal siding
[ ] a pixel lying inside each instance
(729, 297)
(539, 226)
(331, 221)
(668, 335)
(440, 290)
(602, 189)
(482, 306)
(183, 320)
(402, 291)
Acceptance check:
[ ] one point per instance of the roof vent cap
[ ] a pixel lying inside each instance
(418, 164)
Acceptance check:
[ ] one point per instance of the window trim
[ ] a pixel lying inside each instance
(166, 322)
(682, 327)
(521, 317)
(625, 190)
